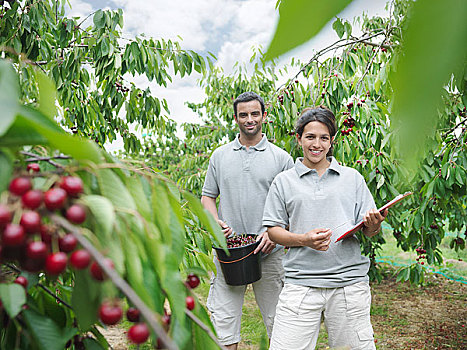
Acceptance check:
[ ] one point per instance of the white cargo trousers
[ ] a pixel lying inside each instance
(346, 312)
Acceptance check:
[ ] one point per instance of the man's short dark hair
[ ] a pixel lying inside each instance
(247, 97)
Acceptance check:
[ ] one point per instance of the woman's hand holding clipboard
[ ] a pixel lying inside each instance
(389, 204)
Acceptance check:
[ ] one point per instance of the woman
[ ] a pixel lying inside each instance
(322, 278)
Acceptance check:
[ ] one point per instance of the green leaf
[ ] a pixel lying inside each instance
(338, 27)
(9, 95)
(47, 334)
(434, 47)
(299, 21)
(47, 95)
(135, 187)
(53, 310)
(13, 298)
(99, 19)
(6, 169)
(85, 299)
(102, 210)
(207, 220)
(32, 127)
(92, 344)
(113, 188)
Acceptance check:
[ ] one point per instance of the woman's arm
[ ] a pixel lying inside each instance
(318, 239)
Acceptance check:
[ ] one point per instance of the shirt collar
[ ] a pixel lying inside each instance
(260, 146)
(302, 169)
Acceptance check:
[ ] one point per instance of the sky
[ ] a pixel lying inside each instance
(226, 28)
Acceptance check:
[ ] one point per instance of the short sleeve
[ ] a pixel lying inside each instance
(289, 163)
(275, 213)
(211, 187)
(364, 201)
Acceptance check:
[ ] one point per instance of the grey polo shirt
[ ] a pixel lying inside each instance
(241, 178)
(302, 200)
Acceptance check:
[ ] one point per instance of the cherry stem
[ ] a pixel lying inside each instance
(119, 282)
(47, 290)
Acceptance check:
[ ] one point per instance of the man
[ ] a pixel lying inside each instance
(240, 173)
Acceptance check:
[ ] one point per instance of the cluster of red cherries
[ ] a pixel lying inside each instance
(240, 241)
(25, 238)
(421, 255)
(111, 312)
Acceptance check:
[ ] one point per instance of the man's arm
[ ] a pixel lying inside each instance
(318, 239)
(209, 203)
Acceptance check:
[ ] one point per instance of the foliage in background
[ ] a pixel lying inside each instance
(352, 77)
(92, 66)
(431, 54)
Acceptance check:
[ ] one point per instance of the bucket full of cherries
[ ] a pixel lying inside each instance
(240, 265)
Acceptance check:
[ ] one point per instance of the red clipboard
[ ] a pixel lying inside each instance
(389, 204)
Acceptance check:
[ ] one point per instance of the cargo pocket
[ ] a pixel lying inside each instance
(365, 339)
(292, 297)
(365, 334)
(357, 300)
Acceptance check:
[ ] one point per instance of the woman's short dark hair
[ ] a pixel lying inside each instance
(247, 97)
(320, 114)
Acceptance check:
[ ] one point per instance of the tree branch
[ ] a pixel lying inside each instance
(47, 290)
(35, 157)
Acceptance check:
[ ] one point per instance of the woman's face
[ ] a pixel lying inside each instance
(315, 142)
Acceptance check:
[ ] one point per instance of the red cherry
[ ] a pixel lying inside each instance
(5, 215)
(190, 302)
(80, 259)
(34, 167)
(133, 314)
(67, 243)
(54, 198)
(166, 319)
(13, 235)
(110, 314)
(32, 199)
(36, 250)
(96, 271)
(138, 333)
(20, 185)
(76, 214)
(55, 263)
(72, 185)
(31, 221)
(22, 281)
(192, 280)
(46, 236)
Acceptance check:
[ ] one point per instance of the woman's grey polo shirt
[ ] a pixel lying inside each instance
(300, 199)
(241, 178)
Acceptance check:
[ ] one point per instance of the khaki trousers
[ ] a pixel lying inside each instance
(346, 313)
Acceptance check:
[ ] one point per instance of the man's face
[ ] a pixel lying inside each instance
(249, 118)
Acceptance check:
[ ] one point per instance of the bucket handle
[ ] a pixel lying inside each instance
(233, 261)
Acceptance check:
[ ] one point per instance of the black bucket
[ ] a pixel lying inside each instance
(242, 266)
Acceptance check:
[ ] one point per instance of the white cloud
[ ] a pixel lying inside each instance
(196, 22)
(79, 8)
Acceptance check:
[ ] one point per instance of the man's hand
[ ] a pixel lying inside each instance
(226, 230)
(372, 221)
(318, 239)
(266, 245)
